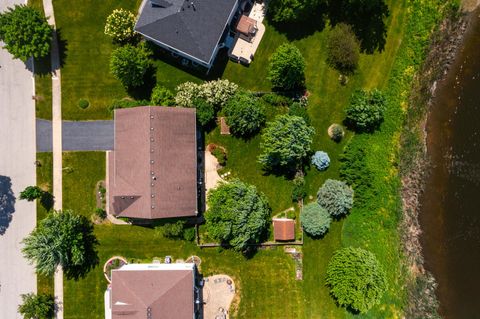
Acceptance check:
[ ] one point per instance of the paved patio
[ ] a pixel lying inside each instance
(211, 175)
(218, 293)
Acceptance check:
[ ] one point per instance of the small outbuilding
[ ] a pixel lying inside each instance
(284, 229)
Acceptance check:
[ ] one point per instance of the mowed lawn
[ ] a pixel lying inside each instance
(268, 288)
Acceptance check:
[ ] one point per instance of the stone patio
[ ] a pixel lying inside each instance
(218, 293)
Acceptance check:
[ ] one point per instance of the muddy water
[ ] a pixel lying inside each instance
(450, 215)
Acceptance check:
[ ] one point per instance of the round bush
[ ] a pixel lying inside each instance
(315, 220)
(336, 197)
(321, 160)
(83, 103)
(120, 25)
(129, 65)
(162, 96)
(336, 132)
(245, 115)
(365, 112)
(356, 279)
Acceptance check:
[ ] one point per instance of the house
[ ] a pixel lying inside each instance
(154, 291)
(192, 29)
(283, 229)
(152, 171)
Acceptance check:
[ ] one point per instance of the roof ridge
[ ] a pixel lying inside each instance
(151, 150)
(187, 273)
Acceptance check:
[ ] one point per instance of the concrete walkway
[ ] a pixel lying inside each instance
(77, 136)
(57, 142)
(17, 170)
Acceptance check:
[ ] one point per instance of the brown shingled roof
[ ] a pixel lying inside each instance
(162, 293)
(153, 168)
(246, 25)
(284, 229)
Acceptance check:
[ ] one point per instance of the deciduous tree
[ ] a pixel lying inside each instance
(245, 115)
(286, 70)
(41, 306)
(129, 64)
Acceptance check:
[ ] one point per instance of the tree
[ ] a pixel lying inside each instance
(315, 220)
(129, 65)
(365, 112)
(336, 197)
(205, 111)
(41, 306)
(62, 239)
(285, 142)
(186, 93)
(286, 70)
(245, 115)
(356, 279)
(290, 11)
(162, 96)
(31, 193)
(343, 49)
(237, 214)
(120, 25)
(25, 32)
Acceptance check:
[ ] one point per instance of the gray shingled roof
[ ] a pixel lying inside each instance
(193, 29)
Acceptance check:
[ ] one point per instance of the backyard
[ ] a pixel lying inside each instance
(268, 288)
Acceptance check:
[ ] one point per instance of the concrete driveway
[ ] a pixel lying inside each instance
(77, 136)
(17, 170)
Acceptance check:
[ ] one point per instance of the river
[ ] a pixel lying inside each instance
(450, 212)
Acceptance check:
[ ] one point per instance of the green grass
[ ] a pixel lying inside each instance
(85, 71)
(45, 181)
(82, 171)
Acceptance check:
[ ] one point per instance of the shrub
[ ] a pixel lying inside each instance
(285, 142)
(31, 193)
(237, 214)
(291, 11)
(83, 103)
(245, 115)
(173, 230)
(41, 306)
(296, 109)
(336, 132)
(100, 213)
(356, 279)
(25, 32)
(120, 25)
(277, 99)
(189, 234)
(129, 65)
(162, 96)
(336, 197)
(365, 112)
(298, 192)
(127, 103)
(286, 70)
(315, 220)
(217, 93)
(321, 160)
(343, 49)
(220, 155)
(205, 111)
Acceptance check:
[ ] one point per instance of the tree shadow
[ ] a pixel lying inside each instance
(144, 91)
(47, 200)
(367, 20)
(7, 203)
(62, 47)
(305, 26)
(45, 66)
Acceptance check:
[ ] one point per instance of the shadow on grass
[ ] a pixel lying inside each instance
(43, 66)
(7, 203)
(144, 91)
(47, 200)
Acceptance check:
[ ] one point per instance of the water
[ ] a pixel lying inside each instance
(450, 215)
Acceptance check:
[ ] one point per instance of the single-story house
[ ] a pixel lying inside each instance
(152, 171)
(153, 291)
(283, 229)
(192, 29)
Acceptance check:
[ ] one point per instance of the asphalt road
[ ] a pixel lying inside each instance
(77, 136)
(17, 170)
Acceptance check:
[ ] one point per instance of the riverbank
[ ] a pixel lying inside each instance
(414, 160)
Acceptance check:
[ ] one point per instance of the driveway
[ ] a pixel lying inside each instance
(17, 170)
(77, 136)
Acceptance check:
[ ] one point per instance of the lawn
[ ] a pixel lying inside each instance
(268, 288)
(44, 181)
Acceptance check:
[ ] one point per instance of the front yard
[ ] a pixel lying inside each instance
(267, 280)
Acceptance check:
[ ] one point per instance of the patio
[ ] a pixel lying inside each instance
(218, 293)
(243, 49)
